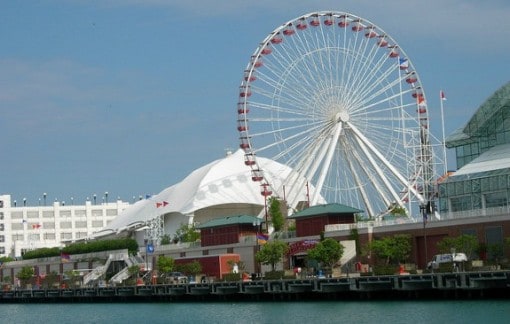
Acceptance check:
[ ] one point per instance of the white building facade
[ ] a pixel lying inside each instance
(24, 228)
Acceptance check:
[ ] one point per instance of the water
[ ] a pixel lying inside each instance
(443, 311)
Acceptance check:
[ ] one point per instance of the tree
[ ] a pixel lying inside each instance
(166, 239)
(394, 249)
(25, 275)
(165, 264)
(465, 243)
(276, 214)
(328, 252)
(190, 268)
(186, 233)
(272, 253)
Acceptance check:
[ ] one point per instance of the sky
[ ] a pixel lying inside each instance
(130, 96)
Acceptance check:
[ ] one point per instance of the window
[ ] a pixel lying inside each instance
(48, 213)
(32, 214)
(17, 226)
(80, 224)
(48, 225)
(17, 237)
(81, 235)
(65, 224)
(461, 203)
(97, 223)
(496, 199)
(111, 212)
(17, 215)
(80, 212)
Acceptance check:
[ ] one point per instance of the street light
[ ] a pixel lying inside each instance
(258, 225)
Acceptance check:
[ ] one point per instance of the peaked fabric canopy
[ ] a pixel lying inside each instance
(224, 181)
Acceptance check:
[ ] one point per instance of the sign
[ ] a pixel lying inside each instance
(301, 246)
(150, 248)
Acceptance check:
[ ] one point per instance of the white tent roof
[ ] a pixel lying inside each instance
(224, 181)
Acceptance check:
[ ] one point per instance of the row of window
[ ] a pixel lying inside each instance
(492, 183)
(477, 201)
(51, 225)
(48, 236)
(66, 213)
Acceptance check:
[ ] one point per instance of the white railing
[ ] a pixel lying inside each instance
(487, 212)
(101, 270)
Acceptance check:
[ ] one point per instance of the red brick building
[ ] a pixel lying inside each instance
(229, 230)
(312, 221)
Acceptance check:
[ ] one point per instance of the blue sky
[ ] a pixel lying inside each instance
(130, 96)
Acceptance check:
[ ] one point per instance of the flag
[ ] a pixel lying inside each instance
(262, 238)
(64, 257)
(442, 95)
(404, 63)
(36, 226)
(161, 204)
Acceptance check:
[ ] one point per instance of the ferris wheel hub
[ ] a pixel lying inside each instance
(342, 116)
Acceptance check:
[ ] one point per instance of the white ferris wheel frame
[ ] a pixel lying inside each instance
(365, 163)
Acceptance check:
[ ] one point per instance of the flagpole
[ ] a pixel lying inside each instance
(445, 161)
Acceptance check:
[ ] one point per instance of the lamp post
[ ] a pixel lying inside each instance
(106, 196)
(44, 198)
(455, 269)
(145, 242)
(258, 227)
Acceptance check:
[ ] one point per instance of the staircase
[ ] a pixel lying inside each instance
(100, 271)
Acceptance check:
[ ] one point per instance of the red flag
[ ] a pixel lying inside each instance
(36, 226)
(442, 95)
(161, 204)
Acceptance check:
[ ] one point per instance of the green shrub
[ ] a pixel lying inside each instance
(274, 275)
(232, 277)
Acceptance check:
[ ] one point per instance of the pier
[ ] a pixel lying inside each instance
(470, 285)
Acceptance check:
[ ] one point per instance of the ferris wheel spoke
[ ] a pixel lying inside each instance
(369, 175)
(327, 161)
(359, 183)
(404, 181)
(382, 176)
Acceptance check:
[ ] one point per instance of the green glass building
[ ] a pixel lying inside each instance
(481, 184)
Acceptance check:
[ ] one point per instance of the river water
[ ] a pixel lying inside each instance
(442, 311)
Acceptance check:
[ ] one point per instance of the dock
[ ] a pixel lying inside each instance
(469, 285)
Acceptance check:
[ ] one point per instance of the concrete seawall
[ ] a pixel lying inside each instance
(488, 284)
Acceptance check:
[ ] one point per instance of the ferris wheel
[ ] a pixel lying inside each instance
(335, 98)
